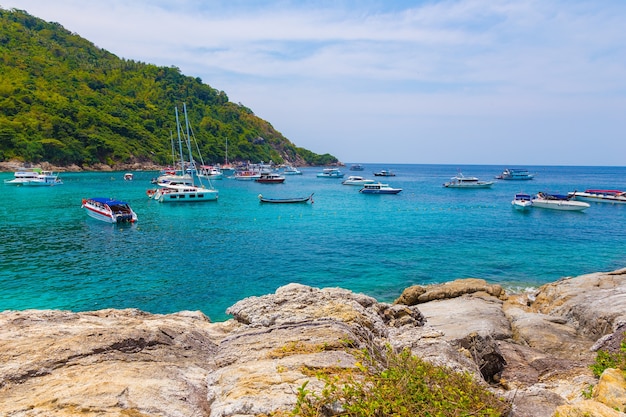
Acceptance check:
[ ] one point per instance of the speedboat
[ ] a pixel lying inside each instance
(522, 202)
(270, 178)
(384, 173)
(34, 177)
(515, 174)
(379, 188)
(557, 202)
(109, 210)
(600, 196)
(330, 173)
(128, 176)
(356, 180)
(461, 181)
(356, 167)
(181, 193)
(289, 170)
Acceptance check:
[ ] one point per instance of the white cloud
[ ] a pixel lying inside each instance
(410, 81)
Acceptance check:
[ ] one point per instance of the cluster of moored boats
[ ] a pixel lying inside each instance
(180, 186)
(573, 201)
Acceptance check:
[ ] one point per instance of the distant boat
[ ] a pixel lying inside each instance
(270, 178)
(289, 170)
(128, 176)
(247, 175)
(600, 196)
(461, 181)
(286, 200)
(109, 210)
(34, 177)
(515, 174)
(557, 202)
(522, 202)
(330, 173)
(379, 188)
(356, 167)
(210, 172)
(384, 173)
(356, 180)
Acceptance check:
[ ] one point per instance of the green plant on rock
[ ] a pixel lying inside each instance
(400, 385)
(605, 360)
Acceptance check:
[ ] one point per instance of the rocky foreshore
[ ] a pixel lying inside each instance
(533, 349)
(12, 166)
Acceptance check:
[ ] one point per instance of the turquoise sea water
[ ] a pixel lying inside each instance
(207, 256)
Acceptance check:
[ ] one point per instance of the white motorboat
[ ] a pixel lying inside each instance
(522, 202)
(557, 202)
(210, 172)
(515, 174)
(330, 173)
(461, 181)
(109, 210)
(600, 196)
(379, 188)
(290, 170)
(357, 180)
(34, 177)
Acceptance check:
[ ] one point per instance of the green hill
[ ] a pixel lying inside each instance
(65, 101)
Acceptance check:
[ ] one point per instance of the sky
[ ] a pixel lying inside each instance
(501, 82)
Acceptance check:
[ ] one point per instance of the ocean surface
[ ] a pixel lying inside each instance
(207, 256)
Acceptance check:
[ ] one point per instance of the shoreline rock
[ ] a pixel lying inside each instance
(534, 349)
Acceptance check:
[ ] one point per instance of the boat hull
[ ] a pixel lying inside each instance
(391, 191)
(185, 196)
(286, 200)
(522, 205)
(565, 205)
(616, 197)
(468, 186)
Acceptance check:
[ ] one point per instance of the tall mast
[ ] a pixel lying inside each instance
(188, 137)
(180, 143)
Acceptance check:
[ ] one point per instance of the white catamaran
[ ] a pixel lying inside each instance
(185, 191)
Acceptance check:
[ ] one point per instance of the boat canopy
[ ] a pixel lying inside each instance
(108, 201)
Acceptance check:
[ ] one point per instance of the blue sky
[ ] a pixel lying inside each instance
(525, 82)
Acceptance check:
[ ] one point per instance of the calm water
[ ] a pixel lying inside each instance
(207, 256)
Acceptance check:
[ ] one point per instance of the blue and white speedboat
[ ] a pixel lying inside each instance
(330, 173)
(522, 202)
(379, 188)
(109, 210)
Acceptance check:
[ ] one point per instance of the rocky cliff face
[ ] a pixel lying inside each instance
(532, 348)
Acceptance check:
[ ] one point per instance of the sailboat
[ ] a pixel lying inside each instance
(227, 168)
(186, 190)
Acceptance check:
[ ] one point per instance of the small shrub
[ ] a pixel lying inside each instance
(605, 360)
(403, 386)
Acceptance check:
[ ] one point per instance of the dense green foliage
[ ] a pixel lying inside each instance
(605, 360)
(64, 100)
(406, 386)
